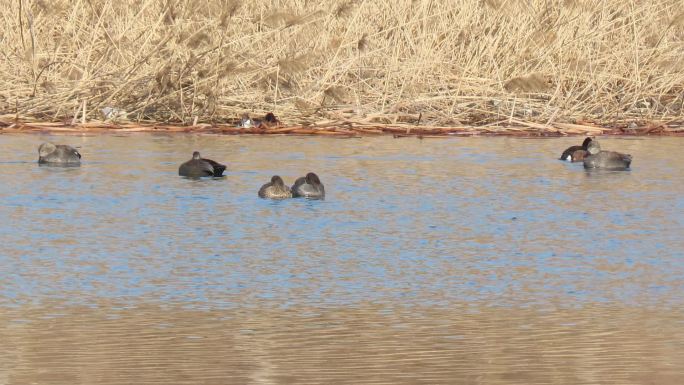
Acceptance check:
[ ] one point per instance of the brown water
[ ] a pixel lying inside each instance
(456, 261)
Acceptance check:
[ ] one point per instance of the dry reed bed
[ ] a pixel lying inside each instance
(451, 63)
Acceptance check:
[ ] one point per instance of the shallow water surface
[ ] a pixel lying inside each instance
(461, 260)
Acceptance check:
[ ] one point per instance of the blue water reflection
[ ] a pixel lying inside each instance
(497, 221)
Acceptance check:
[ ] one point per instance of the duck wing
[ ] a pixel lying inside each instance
(578, 155)
(69, 152)
(308, 190)
(569, 151)
(617, 159)
(608, 160)
(296, 187)
(216, 167)
(264, 189)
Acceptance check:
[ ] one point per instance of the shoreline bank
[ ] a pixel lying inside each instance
(348, 129)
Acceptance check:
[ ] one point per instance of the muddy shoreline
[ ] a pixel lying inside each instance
(349, 129)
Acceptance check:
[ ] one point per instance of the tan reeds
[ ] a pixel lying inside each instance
(530, 84)
(449, 62)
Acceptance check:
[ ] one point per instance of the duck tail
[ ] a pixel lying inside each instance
(219, 169)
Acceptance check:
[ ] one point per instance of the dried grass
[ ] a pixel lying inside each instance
(447, 62)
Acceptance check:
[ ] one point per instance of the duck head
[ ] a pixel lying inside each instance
(46, 149)
(594, 147)
(312, 179)
(586, 142)
(271, 118)
(277, 181)
(196, 155)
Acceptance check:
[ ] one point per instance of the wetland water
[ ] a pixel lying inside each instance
(441, 261)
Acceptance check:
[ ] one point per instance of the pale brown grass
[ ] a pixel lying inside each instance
(449, 62)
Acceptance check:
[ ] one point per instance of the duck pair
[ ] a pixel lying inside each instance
(592, 156)
(61, 154)
(308, 186)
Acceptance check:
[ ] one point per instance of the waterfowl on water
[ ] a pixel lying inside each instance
(609, 160)
(198, 167)
(60, 154)
(275, 189)
(576, 153)
(308, 186)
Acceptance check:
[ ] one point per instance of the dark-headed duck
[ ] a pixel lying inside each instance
(576, 153)
(198, 167)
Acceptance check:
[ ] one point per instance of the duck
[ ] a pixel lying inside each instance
(246, 121)
(270, 121)
(275, 189)
(198, 167)
(308, 186)
(576, 153)
(58, 154)
(609, 160)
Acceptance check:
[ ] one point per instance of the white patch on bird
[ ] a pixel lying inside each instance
(568, 158)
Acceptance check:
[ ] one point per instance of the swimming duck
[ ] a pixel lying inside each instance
(576, 153)
(308, 186)
(275, 189)
(60, 154)
(199, 167)
(609, 160)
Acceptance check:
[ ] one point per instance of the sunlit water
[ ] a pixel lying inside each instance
(461, 260)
